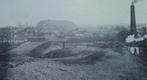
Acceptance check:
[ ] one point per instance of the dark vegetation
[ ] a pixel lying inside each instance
(6, 43)
(5, 34)
(4, 47)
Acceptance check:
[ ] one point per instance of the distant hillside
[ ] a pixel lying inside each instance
(56, 25)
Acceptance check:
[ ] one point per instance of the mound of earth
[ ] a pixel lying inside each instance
(112, 66)
(37, 51)
(58, 53)
(76, 55)
(84, 57)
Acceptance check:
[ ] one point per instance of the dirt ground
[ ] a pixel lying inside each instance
(88, 64)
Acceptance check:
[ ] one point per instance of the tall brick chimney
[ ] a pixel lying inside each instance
(133, 20)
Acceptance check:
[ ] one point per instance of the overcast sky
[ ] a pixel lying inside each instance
(81, 12)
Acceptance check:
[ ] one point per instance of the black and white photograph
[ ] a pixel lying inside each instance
(73, 39)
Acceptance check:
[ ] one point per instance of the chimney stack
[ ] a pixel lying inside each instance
(133, 20)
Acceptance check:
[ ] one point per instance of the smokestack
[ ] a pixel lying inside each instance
(133, 20)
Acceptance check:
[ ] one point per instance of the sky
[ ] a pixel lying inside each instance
(81, 12)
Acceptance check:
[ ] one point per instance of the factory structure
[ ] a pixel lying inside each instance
(137, 43)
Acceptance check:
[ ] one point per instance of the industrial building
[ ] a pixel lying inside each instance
(136, 42)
